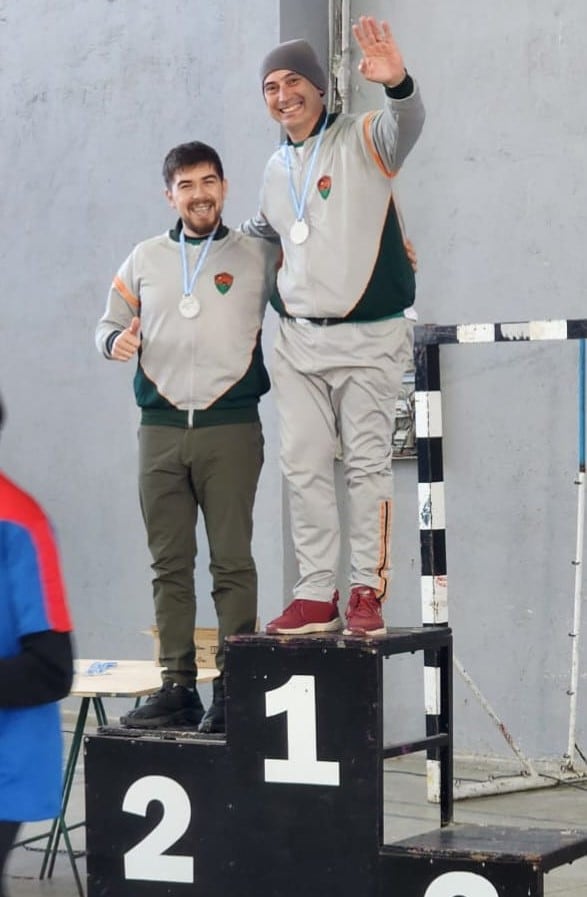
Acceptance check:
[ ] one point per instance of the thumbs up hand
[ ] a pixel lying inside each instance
(127, 343)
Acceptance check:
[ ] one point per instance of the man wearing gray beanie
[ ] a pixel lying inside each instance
(296, 56)
(346, 295)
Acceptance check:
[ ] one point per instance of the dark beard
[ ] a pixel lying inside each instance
(200, 232)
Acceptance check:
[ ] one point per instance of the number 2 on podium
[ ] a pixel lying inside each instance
(147, 860)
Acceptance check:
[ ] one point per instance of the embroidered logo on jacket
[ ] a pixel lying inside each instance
(324, 185)
(223, 282)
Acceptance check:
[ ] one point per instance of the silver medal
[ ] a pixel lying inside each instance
(299, 231)
(189, 306)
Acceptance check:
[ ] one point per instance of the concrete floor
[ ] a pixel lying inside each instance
(406, 813)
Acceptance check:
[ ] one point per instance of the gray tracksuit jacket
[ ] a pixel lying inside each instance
(203, 370)
(358, 264)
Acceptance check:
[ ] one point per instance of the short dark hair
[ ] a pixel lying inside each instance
(187, 154)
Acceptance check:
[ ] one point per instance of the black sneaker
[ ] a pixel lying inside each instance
(214, 719)
(172, 705)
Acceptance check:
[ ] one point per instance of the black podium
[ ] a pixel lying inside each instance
(290, 802)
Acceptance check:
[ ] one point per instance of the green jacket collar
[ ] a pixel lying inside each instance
(175, 232)
(330, 119)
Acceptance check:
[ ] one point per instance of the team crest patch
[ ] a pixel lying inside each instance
(324, 185)
(223, 282)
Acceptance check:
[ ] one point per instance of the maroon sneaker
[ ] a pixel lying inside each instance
(363, 614)
(303, 616)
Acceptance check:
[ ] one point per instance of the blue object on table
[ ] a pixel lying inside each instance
(100, 666)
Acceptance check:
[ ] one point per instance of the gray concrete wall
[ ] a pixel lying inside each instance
(494, 196)
(93, 96)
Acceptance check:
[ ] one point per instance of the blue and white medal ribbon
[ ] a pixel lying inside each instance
(189, 305)
(300, 230)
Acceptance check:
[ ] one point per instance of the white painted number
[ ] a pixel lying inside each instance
(461, 884)
(297, 698)
(145, 861)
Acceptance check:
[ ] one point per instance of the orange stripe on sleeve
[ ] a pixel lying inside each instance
(124, 291)
(367, 121)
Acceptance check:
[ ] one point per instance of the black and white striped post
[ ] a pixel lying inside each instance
(291, 799)
(431, 498)
(432, 534)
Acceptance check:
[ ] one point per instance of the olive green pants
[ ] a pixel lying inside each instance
(215, 470)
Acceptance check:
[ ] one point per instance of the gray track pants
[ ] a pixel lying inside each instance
(341, 380)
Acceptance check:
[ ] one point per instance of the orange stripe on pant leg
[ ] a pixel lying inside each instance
(385, 509)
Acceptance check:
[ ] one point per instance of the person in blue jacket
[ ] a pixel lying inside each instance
(36, 664)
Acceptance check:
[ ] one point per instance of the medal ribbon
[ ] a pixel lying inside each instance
(190, 282)
(299, 202)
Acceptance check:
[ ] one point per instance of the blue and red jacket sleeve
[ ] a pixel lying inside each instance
(35, 623)
(34, 572)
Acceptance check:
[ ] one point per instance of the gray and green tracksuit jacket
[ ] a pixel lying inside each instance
(356, 256)
(197, 371)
